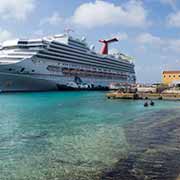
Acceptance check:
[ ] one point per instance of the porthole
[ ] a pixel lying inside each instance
(22, 70)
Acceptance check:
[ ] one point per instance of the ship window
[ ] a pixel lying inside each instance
(54, 68)
(8, 48)
(169, 75)
(22, 42)
(33, 70)
(174, 76)
(23, 47)
(22, 69)
(179, 75)
(164, 76)
(10, 69)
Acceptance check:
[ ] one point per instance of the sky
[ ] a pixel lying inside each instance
(148, 30)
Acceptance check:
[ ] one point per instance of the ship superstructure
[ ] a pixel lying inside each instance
(58, 62)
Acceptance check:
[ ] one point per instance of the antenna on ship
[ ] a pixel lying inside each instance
(104, 49)
(67, 31)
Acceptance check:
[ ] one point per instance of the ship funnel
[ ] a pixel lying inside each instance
(104, 49)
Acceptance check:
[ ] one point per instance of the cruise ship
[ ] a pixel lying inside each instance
(60, 62)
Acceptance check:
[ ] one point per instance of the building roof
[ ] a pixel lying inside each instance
(171, 72)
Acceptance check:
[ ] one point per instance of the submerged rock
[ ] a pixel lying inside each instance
(155, 149)
(34, 136)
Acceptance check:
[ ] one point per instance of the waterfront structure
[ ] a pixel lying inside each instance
(60, 62)
(146, 89)
(171, 77)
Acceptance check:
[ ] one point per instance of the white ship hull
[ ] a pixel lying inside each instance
(20, 83)
(42, 81)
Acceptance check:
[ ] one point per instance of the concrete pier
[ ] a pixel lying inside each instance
(136, 96)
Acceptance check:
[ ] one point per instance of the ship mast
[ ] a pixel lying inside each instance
(67, 31)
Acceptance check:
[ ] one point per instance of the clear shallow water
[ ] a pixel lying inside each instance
(65, 135)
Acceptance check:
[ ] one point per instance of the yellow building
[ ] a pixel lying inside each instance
(169, 77)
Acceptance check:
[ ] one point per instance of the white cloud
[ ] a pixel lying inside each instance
(147, 38)
(174, 19)
(55, 19)
(100, 13)
(121, 36)
(16, 9)
(165, 44)
(5, 35)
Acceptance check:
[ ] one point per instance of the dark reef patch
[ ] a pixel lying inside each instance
(34, 136)
(155, 149)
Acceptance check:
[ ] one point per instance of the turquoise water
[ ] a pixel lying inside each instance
(65, 135)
